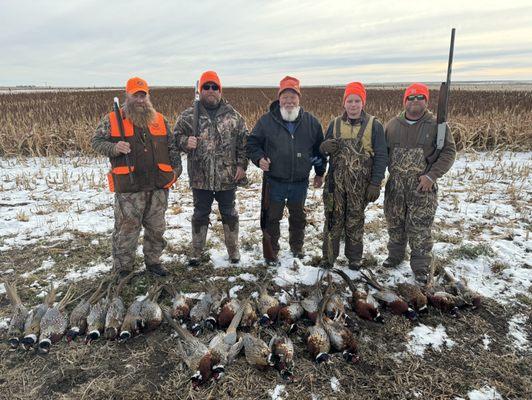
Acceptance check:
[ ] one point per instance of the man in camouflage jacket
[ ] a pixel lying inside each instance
(154, 164)
(216, 162)
(411, 194)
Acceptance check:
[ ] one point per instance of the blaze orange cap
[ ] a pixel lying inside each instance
(416, 88)
(209, 76)
(289, 82)
(355, 88)
(136, 84)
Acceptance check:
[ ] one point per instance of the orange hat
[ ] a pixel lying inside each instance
(289, 82)
(136, 84)
(209, 76)
(355, 88)
(416, 88)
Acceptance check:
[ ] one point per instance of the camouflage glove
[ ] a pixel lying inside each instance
(373, 192)
(330, 146)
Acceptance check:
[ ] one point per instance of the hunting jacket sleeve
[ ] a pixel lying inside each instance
(101, 140)
(255, 143)
(319, 167)
(243, 134)
(173, 151)
(380, 150)
(446, 158)
(182, 130)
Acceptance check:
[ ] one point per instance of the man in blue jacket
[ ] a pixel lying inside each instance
(285, 144)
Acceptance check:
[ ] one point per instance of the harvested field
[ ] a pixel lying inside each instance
(58, 123)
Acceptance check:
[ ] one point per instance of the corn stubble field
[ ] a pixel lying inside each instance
(52, 125)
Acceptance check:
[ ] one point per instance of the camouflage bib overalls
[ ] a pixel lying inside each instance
(352, 166)
(409, 213)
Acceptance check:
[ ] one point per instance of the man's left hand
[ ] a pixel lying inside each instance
(318, 181)
(425, 184)
(240, 174)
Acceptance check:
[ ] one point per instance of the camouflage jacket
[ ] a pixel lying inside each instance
(103, 144)
(399, 133)
(221, 147)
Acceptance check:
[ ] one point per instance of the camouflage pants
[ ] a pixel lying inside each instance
(132, 212)
(409, 215)
(348, 203)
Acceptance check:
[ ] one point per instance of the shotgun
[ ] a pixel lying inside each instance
(441, 118)
(195, 115)
(267, 248)
(118, 115)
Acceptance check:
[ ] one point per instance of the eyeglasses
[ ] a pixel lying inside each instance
(413, 97)
(212, 86)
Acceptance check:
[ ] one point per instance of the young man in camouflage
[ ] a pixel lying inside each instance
(154, 165)
(216, 162)
(285, 144)
(358, 157)
(411, 197)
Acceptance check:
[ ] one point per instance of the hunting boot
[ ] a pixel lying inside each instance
(296, 228)
(231, 241)
(396, 254)
(275, 213)
(199, 237)
(353, 252)
(156, 269)
(420, 265)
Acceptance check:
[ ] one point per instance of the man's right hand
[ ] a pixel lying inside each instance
(192, 142)
(122, 147)
(264, 164)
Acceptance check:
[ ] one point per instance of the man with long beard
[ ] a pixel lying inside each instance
(285, 144)
(154, 165)
(411, 194)
(216, 163)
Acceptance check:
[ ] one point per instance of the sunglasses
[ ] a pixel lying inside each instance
(212, 86)
(413, 97)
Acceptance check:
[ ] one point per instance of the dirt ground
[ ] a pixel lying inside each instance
(148, 365)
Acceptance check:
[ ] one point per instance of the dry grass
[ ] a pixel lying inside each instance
(58, 123)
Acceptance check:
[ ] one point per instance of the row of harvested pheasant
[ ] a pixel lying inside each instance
(330, 321)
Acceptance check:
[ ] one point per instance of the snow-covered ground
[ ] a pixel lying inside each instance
(482, 228)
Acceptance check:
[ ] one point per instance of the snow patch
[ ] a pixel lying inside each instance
(484, 393)
(517, 332)
(335, 384)
(277, 392)
(90, 272)
(424, 336)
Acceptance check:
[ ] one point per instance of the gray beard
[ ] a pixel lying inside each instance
(140, 116)
(290, 116)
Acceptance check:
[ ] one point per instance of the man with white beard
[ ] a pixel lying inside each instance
(285, 144)
(154, 165)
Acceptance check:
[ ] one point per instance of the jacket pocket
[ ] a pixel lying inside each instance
(165, 176)
(120, 181)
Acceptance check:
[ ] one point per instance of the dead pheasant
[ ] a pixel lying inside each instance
(181, 304)
(116, 311)
(282, 355)
(32, 326)
(414, 296)
(268, 307)
(362, 303)
(18, 316)
(199, 359)
(54, 323)
(395, 303)
(78, 316)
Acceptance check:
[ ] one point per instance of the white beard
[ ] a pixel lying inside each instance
(290, 116)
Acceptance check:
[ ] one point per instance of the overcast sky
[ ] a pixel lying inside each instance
(248, 42)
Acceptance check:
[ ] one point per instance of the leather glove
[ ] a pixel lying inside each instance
(329, 146)
(373, 192)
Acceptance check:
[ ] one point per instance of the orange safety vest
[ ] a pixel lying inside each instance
(149, 157)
